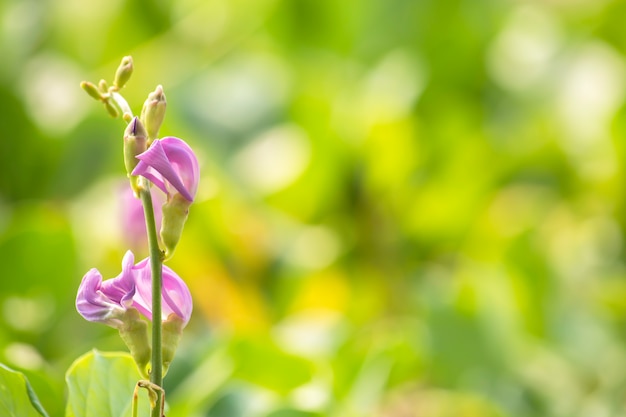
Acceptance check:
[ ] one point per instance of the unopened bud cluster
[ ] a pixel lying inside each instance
(107, 95)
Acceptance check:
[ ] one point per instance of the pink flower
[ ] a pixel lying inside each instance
(107, 301)
(133, 221)
(175, 295)
(171, 165)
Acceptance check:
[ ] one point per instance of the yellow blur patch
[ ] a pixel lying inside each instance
(221, 299)
(323, 290)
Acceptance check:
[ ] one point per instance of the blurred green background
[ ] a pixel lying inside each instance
(408, 208)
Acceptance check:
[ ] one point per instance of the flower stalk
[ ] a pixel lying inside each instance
(156, 263)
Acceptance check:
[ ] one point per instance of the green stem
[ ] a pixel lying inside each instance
(122, 104)
(156, 265)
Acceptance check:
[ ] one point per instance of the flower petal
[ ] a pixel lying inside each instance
(151, 163)
(175, 296)
(122, 288)
(93, 304)
(184, 161)
(170, 162)
(142, 300)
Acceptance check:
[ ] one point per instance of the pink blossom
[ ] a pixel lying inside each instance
(132, 216)
(171, 165)
(175, 295)
(106, 301)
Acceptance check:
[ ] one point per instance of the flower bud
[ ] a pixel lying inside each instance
(110, 108)
(153, 112)
(135, 143)
(91, 89)
(123, 73)
(172, 331)
(174, 213)
(134, 332)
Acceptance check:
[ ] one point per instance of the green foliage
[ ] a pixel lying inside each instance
(280, 372)
(17, 398)
(101, 384)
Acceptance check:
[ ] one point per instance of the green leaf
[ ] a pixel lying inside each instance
(16, 395)
(101, 384)
(263, 363)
